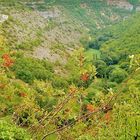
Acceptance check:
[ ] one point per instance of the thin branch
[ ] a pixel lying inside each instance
(56, 111)
(102, 109)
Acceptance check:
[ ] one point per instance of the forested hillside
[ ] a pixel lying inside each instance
(69, 70)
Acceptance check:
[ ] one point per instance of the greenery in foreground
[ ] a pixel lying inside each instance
(95, 95)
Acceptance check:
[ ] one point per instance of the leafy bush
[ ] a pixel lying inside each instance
(59, 82)
(110, 69)
(118, 75)
(11, 132)
(26, 76)
(134, 1)
(125, 65)
(28, 69)
(101, 68)
(97, 43)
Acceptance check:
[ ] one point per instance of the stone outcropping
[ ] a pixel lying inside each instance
(50, 14)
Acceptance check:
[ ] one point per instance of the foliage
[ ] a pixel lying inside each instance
(134, 2)
(11, 132)
(127, 43)
(92, 96)
(28, 69)
(101, 68)
(118, 75)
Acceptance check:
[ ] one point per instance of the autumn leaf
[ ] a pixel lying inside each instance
(72, 89)
(22, 94)
(107, 117)
(90, 108)
(85, 77)
(5, 56)
(8, 62)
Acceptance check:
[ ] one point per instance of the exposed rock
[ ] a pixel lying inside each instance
(46, 53)
(49, 14)
(25, 26)
(53, 13)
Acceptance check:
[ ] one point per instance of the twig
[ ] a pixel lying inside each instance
(103, 108)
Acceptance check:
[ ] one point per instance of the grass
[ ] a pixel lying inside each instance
(91, 53)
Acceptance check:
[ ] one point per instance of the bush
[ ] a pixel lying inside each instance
(94, 45)
(118, 75)
(109, 70)
(28, 69)
(25, 75)
(58, 82)
(111, 58)
(101, 68)
(11, 132)
(125, 65)
(134, 2)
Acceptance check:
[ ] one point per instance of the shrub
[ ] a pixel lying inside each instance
(125, 65)
(28, 69)
(109, 70)
(58, 82)
(118, 75)
(11, 132)
(25, 75)
(101, 68)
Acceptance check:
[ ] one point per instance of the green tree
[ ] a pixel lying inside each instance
(101, 68)
(118, 75)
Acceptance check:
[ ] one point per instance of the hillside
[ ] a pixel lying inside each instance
(69, 70)
(54, 25)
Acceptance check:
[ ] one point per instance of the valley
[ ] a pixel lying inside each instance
(69, 69)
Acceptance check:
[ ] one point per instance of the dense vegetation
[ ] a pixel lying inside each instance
(93, 95)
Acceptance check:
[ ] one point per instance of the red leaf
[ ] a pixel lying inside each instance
(90, 108)
(22, 94)
(85, 77)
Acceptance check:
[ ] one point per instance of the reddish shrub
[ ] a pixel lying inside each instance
(8, 62)
(22, 94)
(85, 77)
(90, 108)
(107, 117)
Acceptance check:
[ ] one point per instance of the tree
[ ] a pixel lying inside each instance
(118, 75)
(101, 68)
